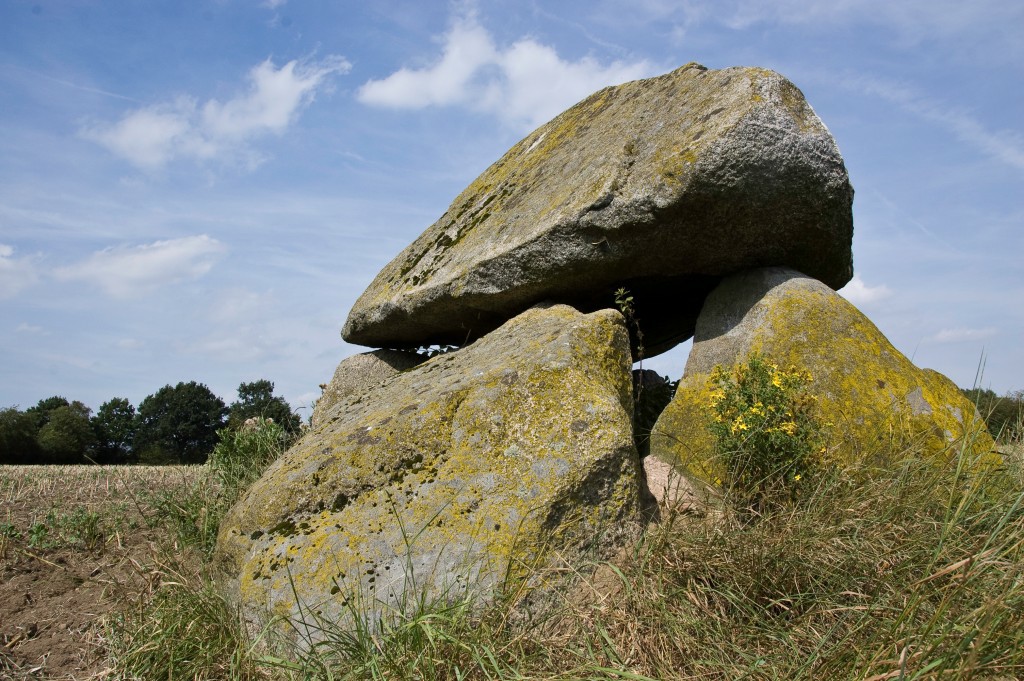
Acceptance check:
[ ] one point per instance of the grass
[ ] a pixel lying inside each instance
(194, 511)
(907, 572)
(183, 628)
(882, 578)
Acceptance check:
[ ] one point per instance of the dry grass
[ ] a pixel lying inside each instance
(75, 543)
(906, 572)
(87, 484)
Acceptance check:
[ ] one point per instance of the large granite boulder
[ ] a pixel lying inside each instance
(661, 186)
(452, 477)
(876, 403)
(357, 374)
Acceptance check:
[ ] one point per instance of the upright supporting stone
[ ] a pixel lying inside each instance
(458, 477)
(874, 401)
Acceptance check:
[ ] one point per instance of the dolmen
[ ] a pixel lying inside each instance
(502, 469)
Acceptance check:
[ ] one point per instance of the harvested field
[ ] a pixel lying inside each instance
(75, 542)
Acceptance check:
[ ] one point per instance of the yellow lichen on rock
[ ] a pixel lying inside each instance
(452, 477)
(874, 404)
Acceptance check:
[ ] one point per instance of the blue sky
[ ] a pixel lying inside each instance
(200, 190)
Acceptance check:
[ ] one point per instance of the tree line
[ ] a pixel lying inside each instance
(175, 425)
(1004, 415)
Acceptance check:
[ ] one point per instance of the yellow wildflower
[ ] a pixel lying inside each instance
(738, 425)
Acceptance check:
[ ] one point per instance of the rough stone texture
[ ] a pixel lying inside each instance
(877, 402)
(661, 185)
(651, 394)
(357, 374)
(456, 475)
(670, 488)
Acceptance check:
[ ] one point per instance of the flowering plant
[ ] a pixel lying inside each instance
(761, 418)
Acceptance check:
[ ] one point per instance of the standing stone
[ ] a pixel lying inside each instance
(875, 403)
(652, 392)
(456, 477)
(662, 186)
(360, 373)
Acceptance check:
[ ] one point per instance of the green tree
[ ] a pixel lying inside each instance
(114, 424)
(67, 437)
(1004, 415)
(179, 424)
(257, 400)
(18, 432)
(41, 412)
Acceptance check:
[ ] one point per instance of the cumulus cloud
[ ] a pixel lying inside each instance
(961, 335)
(524, 84)
(859, 293)
(152, 136)
(15, 273)
(467, 49)
(130, 271)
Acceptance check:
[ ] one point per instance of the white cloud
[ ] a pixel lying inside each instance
(25, 327)
(988, 30)
(152, 136)
(130, 271)
(539, 85)
(243, 326)
(859, 293)
(912, 21)
(468, 48)
(258, 342)
(275, 96)
(524, 84)
(1004, 145)
(960, 335)
(304, 403)
(15, 273)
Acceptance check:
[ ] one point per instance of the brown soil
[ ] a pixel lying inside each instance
(75, 545)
